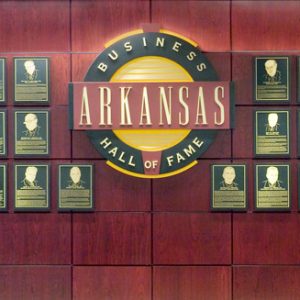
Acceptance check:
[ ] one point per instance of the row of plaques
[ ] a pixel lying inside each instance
(271, 181)
(31, 80)
(32, 191)
(32, 131)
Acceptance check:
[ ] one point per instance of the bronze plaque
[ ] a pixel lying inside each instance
(75, 191)
(31, 80)
(32, 133)
(272, 186)
(272, 79)
(229, 187)
(272, 133)
(31, 187)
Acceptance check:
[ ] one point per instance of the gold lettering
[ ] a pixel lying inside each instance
(125, 112)
(85, 109)
(184, 105)
(166, 105)
(191, 56)
(160, 42)
(128, 46)
(176, 46)
(201, 112)
(113, 55)
(145, 110)
(221, 119)
(105, 105)
(201, 67)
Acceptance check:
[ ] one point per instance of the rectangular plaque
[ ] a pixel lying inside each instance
(272, 79)
(3, 130)
(32, 132)
(272, 187)
(229, 187)
(31, 187)
(31, 80)
(3, 187)
(271, 133)
(75, 187)
(2, 80)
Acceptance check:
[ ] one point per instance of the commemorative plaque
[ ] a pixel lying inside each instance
(271, 133)
(31, 80)
(229, 189)
(75, 190)
(272, 79)
(2, 80)
(31, 187)
(272, 188)
(3, 141)
(3, 188)
(32, 133)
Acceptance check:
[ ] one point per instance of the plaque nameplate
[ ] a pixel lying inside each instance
(31, 80)
(228, 187)
(272, 79)
(75, 191)
(271, 133)
(3, 187)
(272, 187)
(31, 187)
(32, 133)
(2, 80)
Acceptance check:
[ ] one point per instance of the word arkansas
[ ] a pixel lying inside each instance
(191, 105)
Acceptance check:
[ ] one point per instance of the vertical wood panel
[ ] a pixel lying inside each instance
(116, 283)
(193, 283)
(35, 283)
(191, 238)
(34, 26)
(111, 238)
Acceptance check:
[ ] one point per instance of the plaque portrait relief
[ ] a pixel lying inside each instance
(228, 187)
(75, 187)
(31, 80)
(272, 79)
(272, 133)
(32, 133)
(272, 187)
(31, 187)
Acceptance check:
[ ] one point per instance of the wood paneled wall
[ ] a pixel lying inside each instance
(150, 239)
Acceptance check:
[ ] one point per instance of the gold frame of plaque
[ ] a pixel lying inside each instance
(3, 81)
(272, 187)
(31, 81)
(3, 205)
(229, 187)
(75, 187)
(32, 186)
(272, 80)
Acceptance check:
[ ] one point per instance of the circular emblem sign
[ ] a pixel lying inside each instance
(151, 103)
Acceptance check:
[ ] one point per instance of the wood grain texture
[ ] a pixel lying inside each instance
(35, 282)
(35, 238)
(188, 191)
(119, 192)
(193, 283)
(116, 283)
(111, 238)
(242, 135)
(265, 25)
(271, 238)
(104, 20)
(34, 26)
(191, 238)
(206, 22)
(266, 282)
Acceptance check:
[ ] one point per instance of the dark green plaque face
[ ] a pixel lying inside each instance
(75, 187)
(32, 133)
(272, 79)
(272, 188)
(3, 188)
(31, 187)
(272, 133)
(31, 80)
(228, 187)
(2, 80)
(2, 133)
